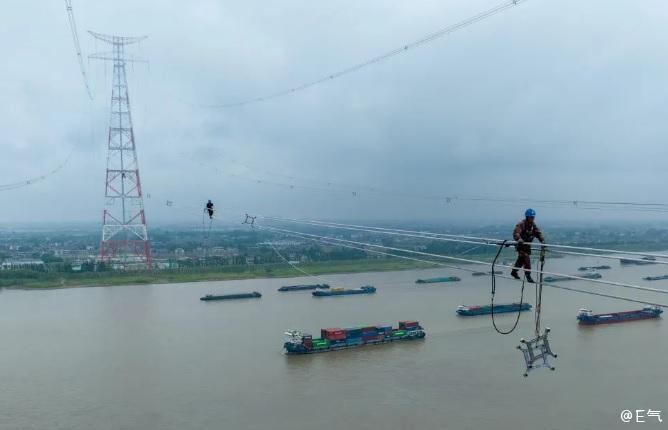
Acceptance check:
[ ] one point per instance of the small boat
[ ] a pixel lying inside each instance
(496, 272)
(587, 317)
(468, 311)
(592, 268)
(437, 280)
(589, 275)
(304, 287)
(655, 278)
(210, 297)
(367, 289)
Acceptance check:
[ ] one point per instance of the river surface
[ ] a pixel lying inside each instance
(156, 357)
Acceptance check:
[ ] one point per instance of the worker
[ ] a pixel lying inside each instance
(209, 209)
(524, 233)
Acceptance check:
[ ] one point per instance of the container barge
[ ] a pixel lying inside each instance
(587, 317)
(304, 287)
(469, 311)
(590, 275)
(334, 339)
(210, 297)
(592, 268)
(642, 262)
(367, 289)
(437, 280)
(655, 278)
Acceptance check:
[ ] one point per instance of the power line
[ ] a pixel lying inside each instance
(594, 293)
(358, 190)
(77, 46)
(474, 240)
(466, 260)
(36, 179)
(379, 58)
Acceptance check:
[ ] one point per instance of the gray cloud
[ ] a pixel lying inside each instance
(549, 99)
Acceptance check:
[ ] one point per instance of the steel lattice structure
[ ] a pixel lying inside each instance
(124, 232)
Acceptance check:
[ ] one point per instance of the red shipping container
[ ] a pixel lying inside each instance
(333, 333)
(404, 324)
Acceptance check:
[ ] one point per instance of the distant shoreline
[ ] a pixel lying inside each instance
(52, 281)
(34, 280)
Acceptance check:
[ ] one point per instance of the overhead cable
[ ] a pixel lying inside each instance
(77, 46)
(466, 260)
(440, 264)
(378, 58)
(476, 240)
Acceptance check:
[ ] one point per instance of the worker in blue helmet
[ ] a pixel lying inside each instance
(524, 233)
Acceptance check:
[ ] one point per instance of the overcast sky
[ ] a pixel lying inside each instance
(550, 99)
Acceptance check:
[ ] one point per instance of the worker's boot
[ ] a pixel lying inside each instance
(529, 278)
(514, 274)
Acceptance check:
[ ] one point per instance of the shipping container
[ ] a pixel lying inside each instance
(333, 333)
(406, 324)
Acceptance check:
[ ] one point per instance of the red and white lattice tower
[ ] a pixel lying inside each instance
(124, 233)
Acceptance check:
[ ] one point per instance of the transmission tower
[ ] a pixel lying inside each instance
(124, 233)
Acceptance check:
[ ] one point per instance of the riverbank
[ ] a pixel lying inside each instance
(41, 280)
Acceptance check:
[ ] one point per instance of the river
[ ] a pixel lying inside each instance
(156, 357)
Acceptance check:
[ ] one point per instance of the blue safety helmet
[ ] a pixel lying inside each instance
(530, 212)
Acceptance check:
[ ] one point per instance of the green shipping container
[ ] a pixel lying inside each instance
(398, 332)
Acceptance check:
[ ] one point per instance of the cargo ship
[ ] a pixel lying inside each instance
(333, 339)
(304, 287)
(590, 275)
(655, 278)
(436, 280)
(253, 295)
(367, 289)
(643, 261)
(592, 268)
(587, 317)
(469, 311)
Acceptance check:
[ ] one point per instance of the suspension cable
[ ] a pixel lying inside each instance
(379, 58)
(77, 46)
(466, 260)
(441, 264)
(473, 239)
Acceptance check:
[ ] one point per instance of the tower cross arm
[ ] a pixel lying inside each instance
(123, 40)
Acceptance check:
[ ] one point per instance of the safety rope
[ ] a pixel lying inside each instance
(206, 233)
(294, 266)
(519, 310)
(539, 292)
